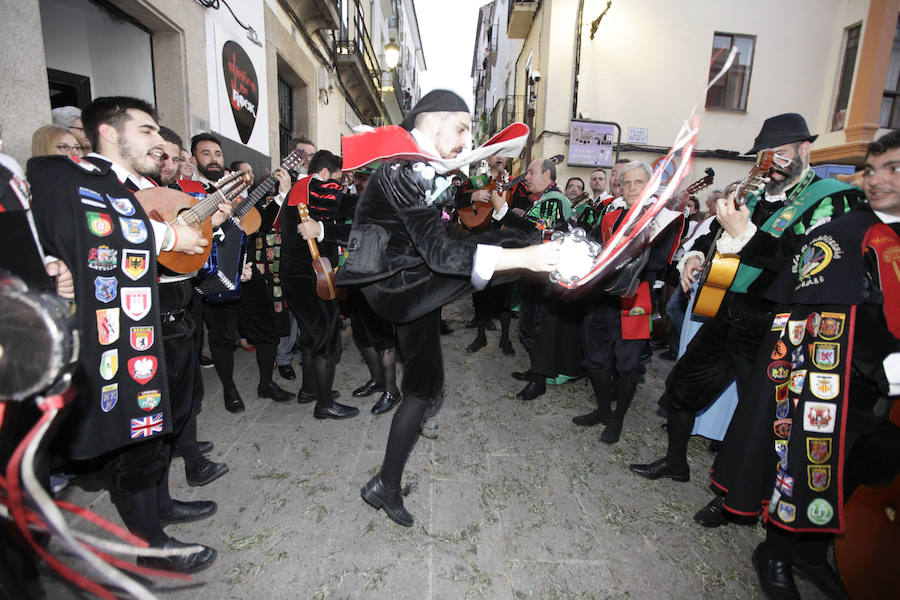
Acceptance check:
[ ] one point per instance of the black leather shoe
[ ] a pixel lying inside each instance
(775, 577)
(822, 576)
(532, 391)
(612, 432)
(507, 348)
(668, 355)
(188, 563)
(307, 397)
(273, 392)
(375, 494)
(287, 372)
(205, 471)
(387, 401)
(185, 512)
(205, 361)
(335, 411)
(233, 402)
(713, 514)
(662, 468)
(202, 447)
(594, 417)
(522, 375)
(367, 389)
(476, 345)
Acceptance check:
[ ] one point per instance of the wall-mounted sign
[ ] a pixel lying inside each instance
(591, 144)
(667, 174)
(637, 135)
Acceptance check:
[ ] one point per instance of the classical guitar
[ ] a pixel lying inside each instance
(718, 270)
(325, 288)
(246, 212)
(477, 217)
(174, 207)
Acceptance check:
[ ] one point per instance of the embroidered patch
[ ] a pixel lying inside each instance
(825, 386)
(136, 302)
(637, 311)
(259, 243)
(795, 330)
(109, 364)
(819, 417)
(105, 288)
(832, 325)
(812, 324)
(780, 321)
(103, 258)
(782, 428)
(781, 450)
(773, 501)
(84, 164)
(99, 223)
(785, 483)
(826, 355)
(779, 370)
(123, 206)
(787, 512)
(135, 263)
(797, 358)
(89, 194)
(779, 351)
(813, 258)
(141, 338)
(818, 477)
(94, 203)
(784, 218)
(108, 325)
(819, 511)
(796, 382)
(818, 450)
(149, 399)
(782, 409)
(781, 392)
(134, 230)
(142, 368)
(109, 395)
(146, 426)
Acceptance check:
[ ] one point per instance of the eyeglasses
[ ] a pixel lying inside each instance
(70, 149)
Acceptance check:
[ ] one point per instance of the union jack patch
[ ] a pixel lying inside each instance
(146, 426)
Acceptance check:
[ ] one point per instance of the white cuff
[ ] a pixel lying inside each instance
(499, 214)
(484, 265)
(280, 198)
(321, 235)
(892, 373)
(49, 259)
(733, 245)
(159, 234)
(684, 259)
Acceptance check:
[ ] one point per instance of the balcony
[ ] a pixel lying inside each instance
(521, 14)
(506, 111)
(315, 14)
(357, 66)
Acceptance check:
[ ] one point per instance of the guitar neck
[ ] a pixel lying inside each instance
(261, 191)
(313, 246)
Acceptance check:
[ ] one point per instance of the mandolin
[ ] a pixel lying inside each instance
(718, 270)
(475, 217)
(174, 207)
(245, 210)
(325, 288)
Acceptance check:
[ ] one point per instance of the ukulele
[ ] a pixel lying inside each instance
(325, 288)
(174, 207)
(473, 217)
(246, 212)
(718, 270)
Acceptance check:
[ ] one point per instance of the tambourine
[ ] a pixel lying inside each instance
(576, 256)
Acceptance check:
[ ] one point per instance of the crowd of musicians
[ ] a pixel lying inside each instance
(807, 331)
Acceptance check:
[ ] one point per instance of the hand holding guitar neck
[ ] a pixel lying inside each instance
(321, 266)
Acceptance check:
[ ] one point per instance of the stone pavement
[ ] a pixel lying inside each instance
(512, 501)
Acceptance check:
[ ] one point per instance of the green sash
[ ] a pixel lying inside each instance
(542, 209)
(782, 219)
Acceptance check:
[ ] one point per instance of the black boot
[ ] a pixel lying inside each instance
(600, 380)
(674, 463)
(626, 384)
(378, 495)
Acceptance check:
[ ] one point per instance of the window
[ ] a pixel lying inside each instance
(851, 46)
(285, 116)
(730, 92)
(890, 102)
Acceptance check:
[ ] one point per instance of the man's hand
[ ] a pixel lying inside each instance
(732, 219)
(498, 201)
(481, 196)
(540, 258)
(246, 272)
(310, 230)
(221, 215)
(284, 180)
(688, 276)
(189, 240)
(65, 282)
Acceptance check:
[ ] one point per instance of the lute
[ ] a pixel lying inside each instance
(321, 266)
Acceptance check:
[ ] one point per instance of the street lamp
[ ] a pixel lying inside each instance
(391, 54)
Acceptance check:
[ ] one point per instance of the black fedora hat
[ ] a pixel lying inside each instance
(780, 130)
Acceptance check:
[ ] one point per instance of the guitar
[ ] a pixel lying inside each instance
(246, 212)
(718, 270)
(325, 288)
(174, 207)
(473, 217)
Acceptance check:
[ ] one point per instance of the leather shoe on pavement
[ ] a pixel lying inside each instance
(532, 391)
(612, 432)
(185, 512)
(202, 447)
(593, 418)
(307, 397)
(377, 495)
(662, 468)
(775, 577)
(387, 401)
(522, 375)
(822, 576)
(233, 402)
(205, 471)
(287, 372)
(713, 514)
(507, 348)
(367, 389)
(476, 345)
(273, 392)
(188, 563)
(335, 411)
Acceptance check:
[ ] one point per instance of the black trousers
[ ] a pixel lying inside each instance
(369, 330)
(604, 347)
(253, 313)
(319, 320)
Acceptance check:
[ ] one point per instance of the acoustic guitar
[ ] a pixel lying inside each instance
(245, 211)
(475, 217)
(174, 207)
(325, 288)
(718, 270)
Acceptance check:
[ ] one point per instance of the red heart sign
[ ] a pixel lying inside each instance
(241, 87)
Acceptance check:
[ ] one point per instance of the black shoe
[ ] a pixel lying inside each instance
(445, 328)
(593, 418)
(522, 375)
(532, 391)
(822, 576)
(378, 496)
(612, 432)
(205, 361)
(307, 397)
(476, 345)
(775, 577)
(713, 514)
(273, 392)
(202, 448)
(335, 411)
(662, 468)
(188, 563)
(367, 389)
(387, 401)
(233, 402)
(287, 372)
(507, 348)
(668, 355)
(205, 471)
(185, 512)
